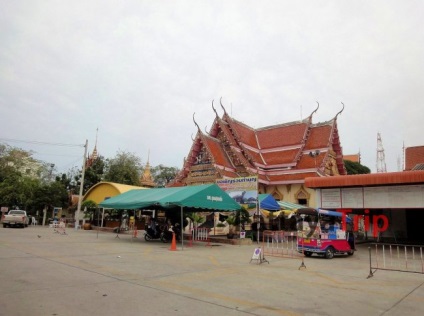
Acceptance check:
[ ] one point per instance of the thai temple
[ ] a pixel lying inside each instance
(91, 159)
(146, 179)
(281, 156)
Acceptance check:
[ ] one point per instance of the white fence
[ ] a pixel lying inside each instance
(280, 244)
(402, 258)
(199, 234)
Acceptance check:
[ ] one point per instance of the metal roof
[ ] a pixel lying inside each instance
(373, 179)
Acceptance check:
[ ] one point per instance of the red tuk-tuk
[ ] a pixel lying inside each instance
(324, 233)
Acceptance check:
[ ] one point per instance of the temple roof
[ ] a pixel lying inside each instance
(278, 154)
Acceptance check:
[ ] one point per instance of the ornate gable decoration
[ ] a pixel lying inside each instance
(202, 169)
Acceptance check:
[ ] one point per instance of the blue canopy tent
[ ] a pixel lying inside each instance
(334, 213)
(322, 212)
(267, 202)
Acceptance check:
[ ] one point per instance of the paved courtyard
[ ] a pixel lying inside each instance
(95, 273)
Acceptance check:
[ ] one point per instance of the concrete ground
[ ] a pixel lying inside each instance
(91, 273)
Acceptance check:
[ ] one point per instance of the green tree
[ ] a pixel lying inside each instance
(94, 174)
(46, 172)
(12, 190)
(17, 177)
(71, 180)
(50, 195)
(28, 189)
(125, 168)
(89, 208)
(196, 218)
(28, 184)
(240, 218)
(67, 182)
(16, 158)
(355, 168)
(232, 222)
(163, 175)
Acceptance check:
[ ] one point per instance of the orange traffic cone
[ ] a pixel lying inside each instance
(174, 243)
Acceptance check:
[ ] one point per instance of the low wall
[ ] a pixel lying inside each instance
(234, 241)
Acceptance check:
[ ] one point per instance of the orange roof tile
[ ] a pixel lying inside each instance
(353, 158)
(280, 157)
(307, 162)
(217, 152)
(256, 156)
(281, 135)
(319, 137)
(244, 133)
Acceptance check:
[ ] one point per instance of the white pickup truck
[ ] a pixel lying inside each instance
(15, 218)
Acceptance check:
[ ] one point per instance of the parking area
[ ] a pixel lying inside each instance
(97, 273)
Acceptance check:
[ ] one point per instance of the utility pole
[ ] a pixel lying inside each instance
(81, 186)
(381, 160)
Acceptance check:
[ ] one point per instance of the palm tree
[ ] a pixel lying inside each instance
(231, 220)
(90, 207)
(196, 219)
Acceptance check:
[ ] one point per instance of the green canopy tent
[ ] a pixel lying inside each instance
(207, 197)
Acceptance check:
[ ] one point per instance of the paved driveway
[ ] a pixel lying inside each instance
(90, 273)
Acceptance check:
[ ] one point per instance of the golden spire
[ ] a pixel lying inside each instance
(94, 155)
(146, 179)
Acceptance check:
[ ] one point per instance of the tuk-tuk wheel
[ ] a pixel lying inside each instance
(329, 253)
(350, 253)
(308, 253)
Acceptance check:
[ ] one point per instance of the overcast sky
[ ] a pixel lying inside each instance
(138, 70)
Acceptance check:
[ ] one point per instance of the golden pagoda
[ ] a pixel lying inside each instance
(146, 179)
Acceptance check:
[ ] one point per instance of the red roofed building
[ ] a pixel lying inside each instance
(353, 158)
(414, 158)
(399, 196)
(282, 156)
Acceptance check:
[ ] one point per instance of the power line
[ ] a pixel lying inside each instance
(71, 163)
(56, 155)
(40, 143)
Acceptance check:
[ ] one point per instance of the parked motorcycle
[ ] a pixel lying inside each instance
(167, 233)
(151, 234)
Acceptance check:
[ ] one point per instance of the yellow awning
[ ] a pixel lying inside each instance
(289, 213)
(266, 213)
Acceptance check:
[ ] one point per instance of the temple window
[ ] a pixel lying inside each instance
(302, 197)
(277, 196)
